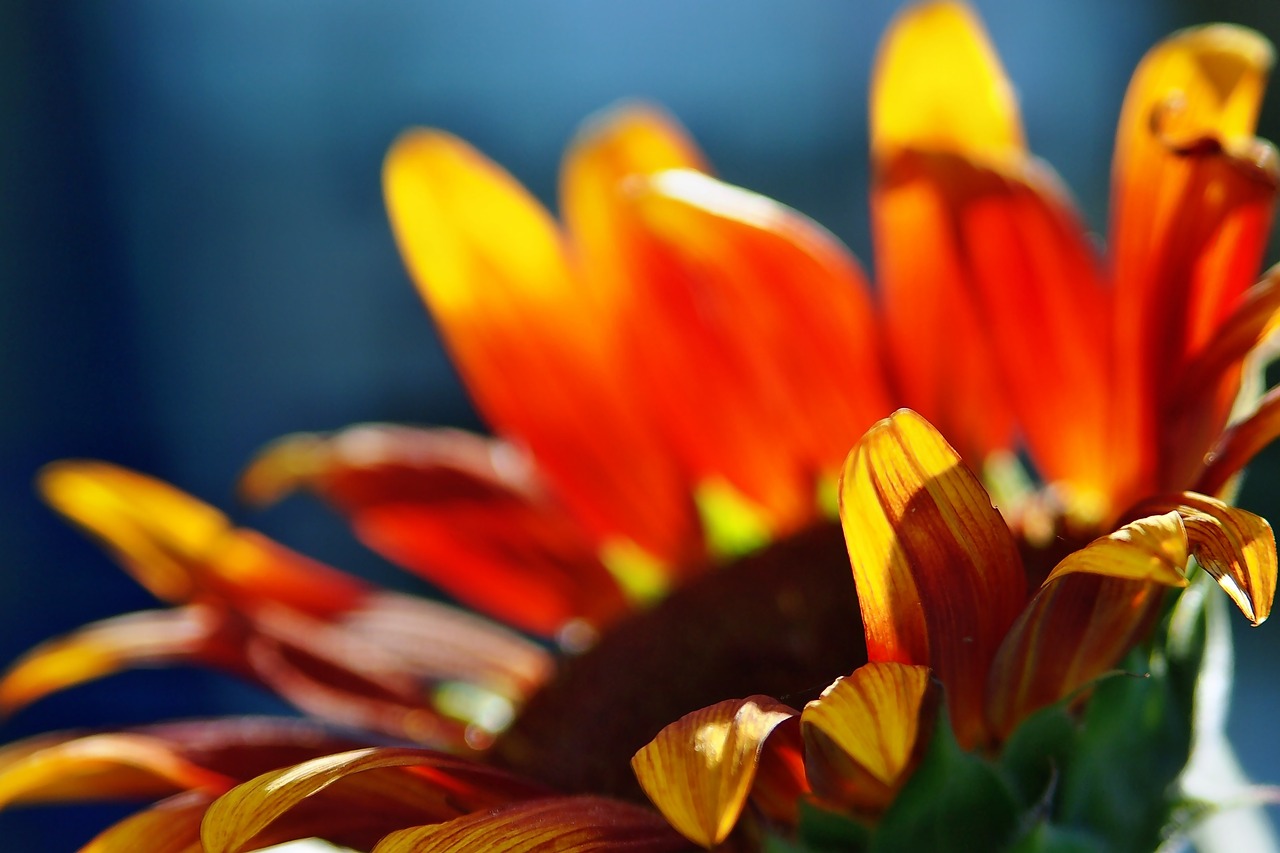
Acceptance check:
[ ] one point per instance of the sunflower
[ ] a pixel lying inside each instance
(675, 375)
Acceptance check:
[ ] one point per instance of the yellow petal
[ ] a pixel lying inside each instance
(867, 724)
(104, 648)
(1149, 549)
(939, 85)
(699, 770)
(938, 574)
(1237, 548)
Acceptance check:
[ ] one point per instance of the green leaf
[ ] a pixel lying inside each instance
(822, 830)
(1036, 753)
(1045, 838)
(955, 802)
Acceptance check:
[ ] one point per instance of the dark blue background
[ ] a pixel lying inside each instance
(194, 257)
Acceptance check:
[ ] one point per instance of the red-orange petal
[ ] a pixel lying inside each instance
(1239, 444)
(699, 770)
(938, 574)
(769, 365)
(562, 824)
(464, 511)
(539, 352)
(1193, 195)
(864, 734)
(938, 89)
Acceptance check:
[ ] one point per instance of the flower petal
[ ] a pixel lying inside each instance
(1236, 547)
(464, 511)
(1193, 198)
(150, 638)
(770, 365)
(938, 574)
(400, 787)
(564, 824)
(1239, 444)
(863, 735)
(699, 770)
(539, 353)
(1154, 548)
(170, 826)
(938, 88)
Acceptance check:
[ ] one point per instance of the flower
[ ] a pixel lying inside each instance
(677, 374)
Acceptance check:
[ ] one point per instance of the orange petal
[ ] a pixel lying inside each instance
(181, 548)
(1193, 198)
(464, 511)
(567, 824)
(770, 365)
(539, 353)
(863, 735)
(95, 767)
(1239, 444)
(103, 648)
(938, 574)
(1236, 547)
(1074, 630)
(938, 89)
(699, 770)
(404, 786)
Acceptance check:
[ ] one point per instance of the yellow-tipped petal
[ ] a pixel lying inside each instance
(938, 574)
(104, 648)
(699, 770)
(1237, 548)
(1149, 549)
(939, 85)
(861, 736)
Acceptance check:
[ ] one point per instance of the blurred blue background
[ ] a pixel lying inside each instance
(195, 257)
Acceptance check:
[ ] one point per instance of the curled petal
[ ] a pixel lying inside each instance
(464, 511)
(864, 734)
(699, 770)
(567, 824)
(539, 353)
(938, 575)
(397, 787)
(1236, 547)
(1149, 549)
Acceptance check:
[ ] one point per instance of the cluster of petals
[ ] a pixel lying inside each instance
(676, 374)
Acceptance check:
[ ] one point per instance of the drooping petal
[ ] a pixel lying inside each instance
(539, 353)
(699, 770)
(769, 366)
(182, 549)
(464, 511)
(938, 574)
(396, 787)
(150, 638)
(563, 824)
(938, 88)
(104, 766)
(1193, 198)
(1236, 547)
(863, 735)
(1095, 604)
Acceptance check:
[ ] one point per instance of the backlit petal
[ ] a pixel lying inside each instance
(1154, 548)
(699, 770)
(402, 787)
(1193, 198)
(938, 574)
(563, 824)
(539, 353)
(864, 733)
(464, 511)
(768, 366)
(938, 90)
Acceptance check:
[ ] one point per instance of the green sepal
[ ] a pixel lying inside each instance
(955, 802)
(822, 830)
(1047, 838)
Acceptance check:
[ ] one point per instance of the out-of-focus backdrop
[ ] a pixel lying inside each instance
(194, 257)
